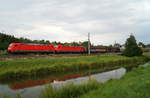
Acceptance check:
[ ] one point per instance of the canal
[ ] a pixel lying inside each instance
(32, 88)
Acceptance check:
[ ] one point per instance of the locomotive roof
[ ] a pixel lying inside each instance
(71, 45)
(34, 44)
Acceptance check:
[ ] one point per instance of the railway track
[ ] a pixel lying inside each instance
(24, 56)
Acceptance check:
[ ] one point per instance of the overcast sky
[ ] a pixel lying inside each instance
(70, 20)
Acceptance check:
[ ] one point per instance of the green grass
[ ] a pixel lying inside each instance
(7, 96)
(70, 91)
(36, 66)
(135, 84)
(3, 52)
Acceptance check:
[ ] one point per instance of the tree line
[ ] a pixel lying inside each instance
(6, 39)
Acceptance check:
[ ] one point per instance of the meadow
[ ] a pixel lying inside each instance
(17, 68)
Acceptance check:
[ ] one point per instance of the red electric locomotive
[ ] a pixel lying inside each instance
(41, 48)
(30, 48)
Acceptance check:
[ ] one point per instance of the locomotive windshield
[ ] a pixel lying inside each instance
(11, 45)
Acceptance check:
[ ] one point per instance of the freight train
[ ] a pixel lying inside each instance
(44, 48)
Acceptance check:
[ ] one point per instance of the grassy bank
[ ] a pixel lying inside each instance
(134, 84)
(36, 66)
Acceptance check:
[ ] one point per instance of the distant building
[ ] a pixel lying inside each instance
(117, 45)
(122, 47)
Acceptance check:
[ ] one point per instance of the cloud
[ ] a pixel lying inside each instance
(71, 20)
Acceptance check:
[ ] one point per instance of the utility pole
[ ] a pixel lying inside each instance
(89, 52)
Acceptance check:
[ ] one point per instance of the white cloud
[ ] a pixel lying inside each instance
(67, 20)
(48, 32)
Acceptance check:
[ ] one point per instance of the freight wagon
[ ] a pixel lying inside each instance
(104, 49)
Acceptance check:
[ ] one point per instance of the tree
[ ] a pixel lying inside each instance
(131, 47)
(85, 43)
(148, 46)
(140, 44)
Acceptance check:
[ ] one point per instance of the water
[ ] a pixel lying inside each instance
(100, 77)
(145, 65)
(32, 89)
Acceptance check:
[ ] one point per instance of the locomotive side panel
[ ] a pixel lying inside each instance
(69, 49)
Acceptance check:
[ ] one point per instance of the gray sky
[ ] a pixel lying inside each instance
(71, 20)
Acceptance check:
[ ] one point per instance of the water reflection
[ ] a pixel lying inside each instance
(25, 84)
(33, 88)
